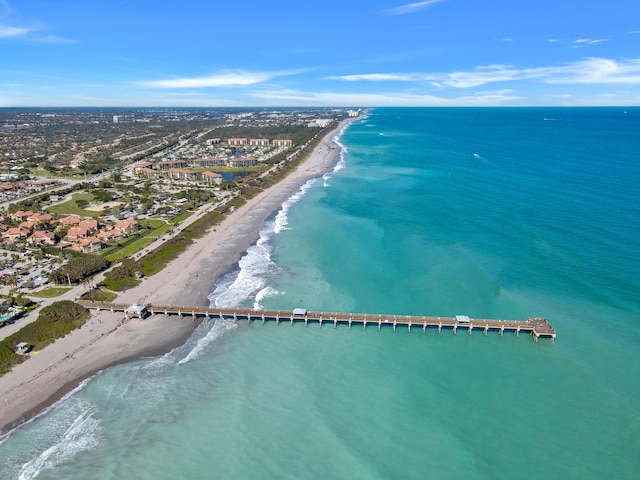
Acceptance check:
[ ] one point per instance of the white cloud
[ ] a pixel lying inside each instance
(397, 99)
(596, 71)
(552, 40)
(410, 7)
(7, 31)
(588, 41)
(227, 79)
(590, 70)
(381, 77)
(462, 79)
(633, 32)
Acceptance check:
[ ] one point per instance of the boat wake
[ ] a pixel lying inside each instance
(484, 160)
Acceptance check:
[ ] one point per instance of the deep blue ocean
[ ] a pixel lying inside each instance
(489, 212)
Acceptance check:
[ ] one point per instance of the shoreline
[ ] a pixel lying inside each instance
(78, 371)
(188, 279)
(106, 340)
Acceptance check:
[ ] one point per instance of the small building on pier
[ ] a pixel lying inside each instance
(136, 311)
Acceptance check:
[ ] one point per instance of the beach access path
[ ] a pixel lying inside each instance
(106, 340)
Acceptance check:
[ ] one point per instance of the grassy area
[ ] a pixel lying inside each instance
(162, 230)
(155, 261)
(180, 218)
(130, 249)
(98, 295)
(120, 284)
(72, 208)
(41, 172)
(152, 223)
(50, 292)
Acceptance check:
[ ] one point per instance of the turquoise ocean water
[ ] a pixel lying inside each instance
(492, 213)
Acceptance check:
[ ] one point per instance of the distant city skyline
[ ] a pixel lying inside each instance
(194, 53)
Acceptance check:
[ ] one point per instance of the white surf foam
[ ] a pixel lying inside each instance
(203, 344)
(255, 268)
(282, 217)
(341, 164)
(81, 435)
(51, 407)
(266, 292)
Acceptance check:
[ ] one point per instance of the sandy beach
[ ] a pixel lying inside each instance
(106, 340)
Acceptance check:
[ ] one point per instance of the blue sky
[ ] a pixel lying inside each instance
(319, 53)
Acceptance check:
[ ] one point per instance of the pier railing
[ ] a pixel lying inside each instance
(534, 326)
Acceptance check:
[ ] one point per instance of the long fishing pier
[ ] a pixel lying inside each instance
(534, 326)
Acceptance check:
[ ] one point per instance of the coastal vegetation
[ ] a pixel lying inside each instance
(123, 276)
(79, 268)
(54, 321)
(156, 260)
(99, 295)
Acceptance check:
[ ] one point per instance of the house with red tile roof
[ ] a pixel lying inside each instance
(69, 220)
(90, 225)
(20, 215)
(76, 233)
(40, 218)
(125, 226)
(42, 237)
(110, 235)
(14, 234)
(28, 225)
(87, 245)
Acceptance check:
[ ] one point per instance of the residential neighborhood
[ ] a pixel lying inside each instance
(111, 181)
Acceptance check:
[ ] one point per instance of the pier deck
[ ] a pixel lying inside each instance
(534, 326)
